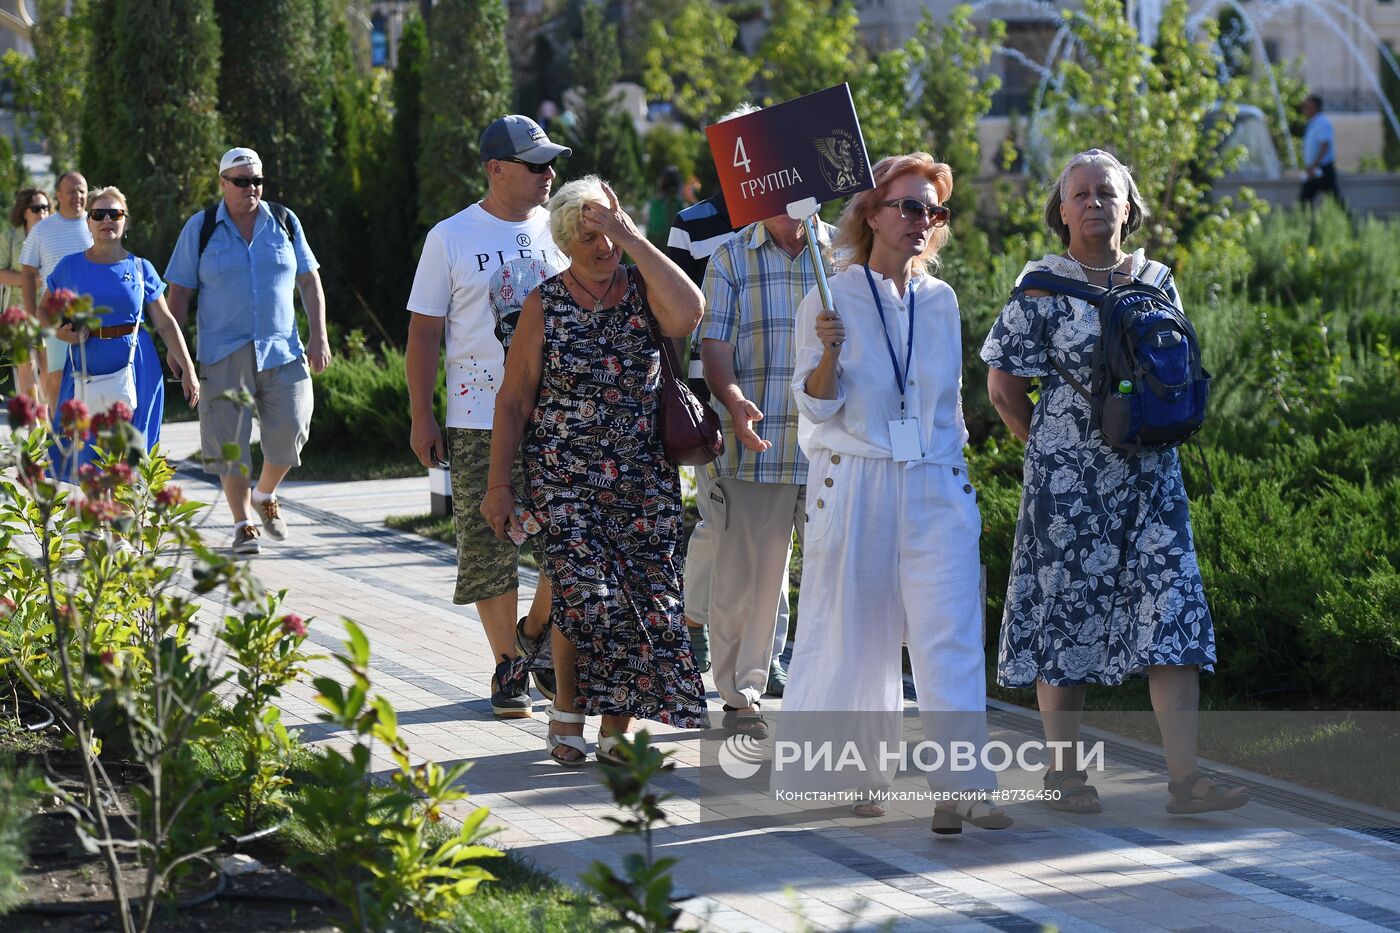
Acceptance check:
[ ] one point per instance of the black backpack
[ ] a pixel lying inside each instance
(1148, 389)
(211, 220)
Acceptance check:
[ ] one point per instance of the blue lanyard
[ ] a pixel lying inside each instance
(900, 379)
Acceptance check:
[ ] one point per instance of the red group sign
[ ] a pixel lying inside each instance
(809, 147)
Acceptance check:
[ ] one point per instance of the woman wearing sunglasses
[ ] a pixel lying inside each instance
(31, 206)
(890, 556)
(122, 287)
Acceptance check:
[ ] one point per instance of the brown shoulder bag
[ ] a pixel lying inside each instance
(689, 429)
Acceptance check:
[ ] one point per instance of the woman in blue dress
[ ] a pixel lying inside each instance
(124, 285)
(1104, 581)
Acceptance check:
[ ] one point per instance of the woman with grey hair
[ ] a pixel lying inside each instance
(582, 382)
(1104, 583)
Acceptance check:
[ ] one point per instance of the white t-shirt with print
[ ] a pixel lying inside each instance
(453, 280)
(52, 239)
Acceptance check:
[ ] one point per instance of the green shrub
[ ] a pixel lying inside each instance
(1347, 264)
(362, 404)
(1355, 644)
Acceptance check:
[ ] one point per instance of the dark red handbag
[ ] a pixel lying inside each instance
(689, 429)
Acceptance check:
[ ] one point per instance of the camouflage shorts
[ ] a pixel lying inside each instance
(486, 565)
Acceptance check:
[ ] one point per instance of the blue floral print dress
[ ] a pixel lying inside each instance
(1104, 580)
(610, 506)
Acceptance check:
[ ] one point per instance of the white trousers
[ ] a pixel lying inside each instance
(700, 562)
(891, 559)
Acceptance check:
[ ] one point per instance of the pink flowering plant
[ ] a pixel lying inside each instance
(266, 645)
(95, 624)
(19, 335)
(154, 649)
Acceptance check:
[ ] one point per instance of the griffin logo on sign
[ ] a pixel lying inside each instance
(838, 160)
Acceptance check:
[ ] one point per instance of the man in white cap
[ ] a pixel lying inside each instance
(246, 256)
(451, 298)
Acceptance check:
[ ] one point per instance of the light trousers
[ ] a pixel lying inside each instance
(699, 566)
(890, 558)
(752, 526)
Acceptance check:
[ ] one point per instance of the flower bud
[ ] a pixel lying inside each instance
(293, 624)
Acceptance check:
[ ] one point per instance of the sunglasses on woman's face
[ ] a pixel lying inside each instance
(39, 208)
(536, 168)
(106, 213)
(913, 208)
(245, 181)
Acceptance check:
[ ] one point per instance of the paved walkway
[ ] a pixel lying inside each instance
(1269, 866)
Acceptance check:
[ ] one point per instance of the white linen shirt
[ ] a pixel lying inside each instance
(856, 422)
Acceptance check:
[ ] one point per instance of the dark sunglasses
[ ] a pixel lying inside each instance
(106, 213)
(911, 208)
(39, 208)
(536, 168)
(245, 181)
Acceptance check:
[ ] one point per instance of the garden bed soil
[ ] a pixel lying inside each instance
(62, 881)
(60, 877)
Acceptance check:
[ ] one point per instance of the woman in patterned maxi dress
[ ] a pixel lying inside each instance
(1104, 582)
(581, 390)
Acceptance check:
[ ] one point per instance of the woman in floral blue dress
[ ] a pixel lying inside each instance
(1104, 582)
(581, 388)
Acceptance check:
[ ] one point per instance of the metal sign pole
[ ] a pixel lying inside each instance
(806, 210)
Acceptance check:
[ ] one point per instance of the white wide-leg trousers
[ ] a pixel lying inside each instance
(890, 558)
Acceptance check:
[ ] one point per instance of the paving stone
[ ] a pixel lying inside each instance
(1078, 873)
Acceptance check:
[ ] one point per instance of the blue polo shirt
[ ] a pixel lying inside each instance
(245, 289)
(1317, 132)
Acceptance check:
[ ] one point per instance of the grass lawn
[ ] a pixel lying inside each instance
(428, 526)
(524, 899)
(440, 529)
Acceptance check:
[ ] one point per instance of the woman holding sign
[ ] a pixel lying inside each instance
(892, 523)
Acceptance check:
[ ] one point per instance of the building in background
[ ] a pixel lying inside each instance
(1337, 41)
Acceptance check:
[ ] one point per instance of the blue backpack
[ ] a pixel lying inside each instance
(1147, 390)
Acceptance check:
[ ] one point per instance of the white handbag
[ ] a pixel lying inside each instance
(100, 393)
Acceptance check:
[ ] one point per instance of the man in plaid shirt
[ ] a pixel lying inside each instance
(753, 285)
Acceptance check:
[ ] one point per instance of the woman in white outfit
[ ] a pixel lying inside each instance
(892, 523)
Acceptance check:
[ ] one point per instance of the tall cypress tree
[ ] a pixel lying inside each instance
(466, 85)
(164, 115)
(275, 94)
(604, 141)
(99, 152)
(396, 191)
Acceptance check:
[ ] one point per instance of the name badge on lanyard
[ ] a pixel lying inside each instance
(905, 444)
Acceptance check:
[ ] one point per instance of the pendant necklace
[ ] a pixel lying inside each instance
(597, 299)
(1088, 268)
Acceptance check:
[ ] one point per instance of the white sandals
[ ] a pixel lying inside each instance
(553, 742)
(979, 811)
(606, 745)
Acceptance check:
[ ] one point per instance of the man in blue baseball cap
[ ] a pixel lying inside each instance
(451, 298)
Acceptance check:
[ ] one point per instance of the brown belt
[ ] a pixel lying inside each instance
(107, 333)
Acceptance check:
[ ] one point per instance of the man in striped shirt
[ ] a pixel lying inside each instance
(753, 286)
(696, 233)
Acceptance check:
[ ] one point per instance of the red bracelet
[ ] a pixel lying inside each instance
(501, 486)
